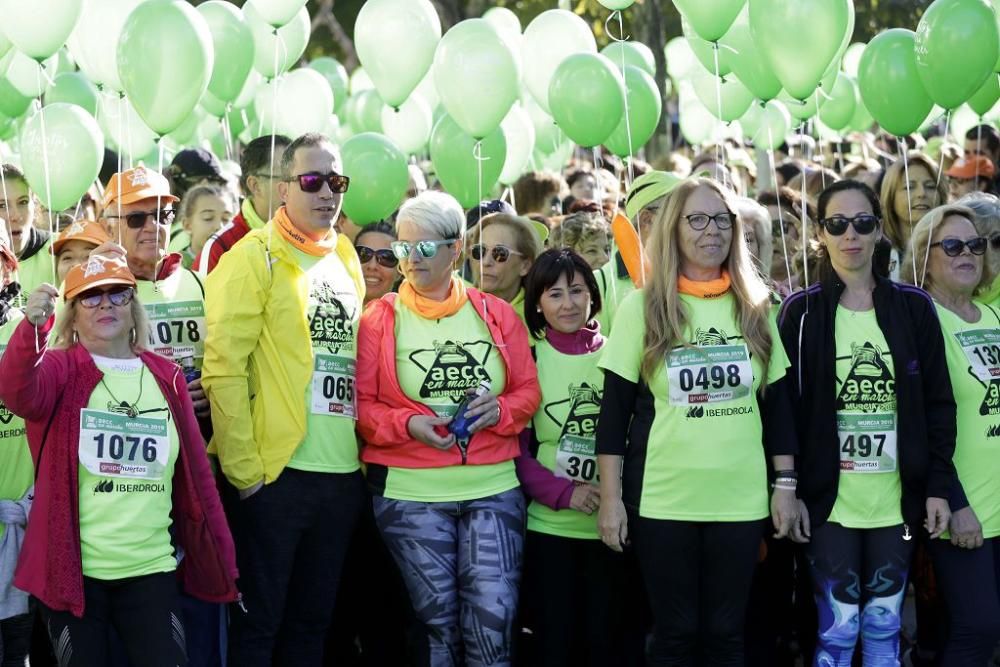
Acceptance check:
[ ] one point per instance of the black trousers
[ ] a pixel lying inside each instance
(291, 539)
(15, 639)
(697, 577)
(145, 611)
(572, 601)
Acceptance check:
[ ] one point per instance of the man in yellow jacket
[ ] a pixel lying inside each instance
(283, 307)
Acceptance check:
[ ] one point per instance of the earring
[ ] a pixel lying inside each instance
(76, 338)
(133, 337)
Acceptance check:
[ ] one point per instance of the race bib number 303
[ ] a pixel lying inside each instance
(333, 386)
(177, 330)
(113, 445)
(709, 374)
(867, 442)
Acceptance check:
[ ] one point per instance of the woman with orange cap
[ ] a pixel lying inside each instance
(123, 481)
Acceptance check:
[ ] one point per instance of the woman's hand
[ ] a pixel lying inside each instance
(41, 304)
(966, 531)
(801, 530)
(487, 409)
(938, 514)
(421, 427)
(612, 524)
(784, 512)
(586, 498)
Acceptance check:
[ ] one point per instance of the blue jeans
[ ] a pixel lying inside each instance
(461, 562)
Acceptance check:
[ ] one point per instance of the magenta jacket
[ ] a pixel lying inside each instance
(48, 389)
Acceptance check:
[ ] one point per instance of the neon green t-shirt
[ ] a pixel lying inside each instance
(17, 472)
(613, 288)
(32, 272)
(565, 427)
(704, 459)
(127, 459)
(175, 307)
(333, 312)
(973, 353)
(437, 362)
(869, 493)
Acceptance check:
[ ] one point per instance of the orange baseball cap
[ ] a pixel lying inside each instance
(98, 271)
(972, 166)
(81, 230)
(135, 185)
(6, 251)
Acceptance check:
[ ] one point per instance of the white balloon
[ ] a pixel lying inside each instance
(26, 75)
(410, 127)
(427, 90)
(94, 40)
(696, 122)
(123, 127)
(503, 19)
(39, 28)
(519, 132)
(962, 120)
(359, 81)
(548, 136)
(550, 38)
(289, 43)
(304, 103)
(852, 57)
(680, 58)
(279, 12)
(246, 96)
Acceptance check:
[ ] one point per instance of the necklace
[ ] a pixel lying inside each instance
(121, 407)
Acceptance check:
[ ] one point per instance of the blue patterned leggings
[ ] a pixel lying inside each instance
(860, 581)
(461, 562)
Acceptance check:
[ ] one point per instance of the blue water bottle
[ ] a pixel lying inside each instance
(459, 426)
(191, 372)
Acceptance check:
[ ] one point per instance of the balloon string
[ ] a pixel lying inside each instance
(719, 151)
(599, 190)
(477, 154)
(48, 175)
(805, 218)
(278, 43)
(227, 133)
(979, 142)
(777, 193)
(947, 122)
(901, 145)
(621, 37)
(628, 121)
(159, 200)
(118, 174)
(131, 144)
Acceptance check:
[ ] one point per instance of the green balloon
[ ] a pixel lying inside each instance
(837, 112)
(956, 48)
(74, 145)
(165, 61)
(470, 53)
(336, 75)
(365, 114)
(644, 109)
(862, 120)
(705, 51)
(39, 28)
(680, 57)
(996, 11)
(710, 18)
(213, 104)
(73, 88)
(232, 41)
(12, 103)
(750, 121)
(799, 39)
(735, 97)
(636, 54)
(801, 110)
(747, 61)
(237, 122)
(587, 98)
(276, 50)
(453, 153)
(775, 123)
(379, 177)
(890, 85)
(278, 12)
(408, 127)
(986, 97)
(696, 123)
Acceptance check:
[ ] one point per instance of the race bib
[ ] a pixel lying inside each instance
(177, 330)
(709, 374)
(867, 442)
(576, 459)
(333, 386)
(114, 445)
(982, 349)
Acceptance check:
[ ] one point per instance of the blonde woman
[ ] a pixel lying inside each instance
(909, 190)
(687, 429)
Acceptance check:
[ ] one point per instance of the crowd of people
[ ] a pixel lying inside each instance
(237, 428)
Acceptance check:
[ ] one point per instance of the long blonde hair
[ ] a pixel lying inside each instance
(894, 228)
(667, 318)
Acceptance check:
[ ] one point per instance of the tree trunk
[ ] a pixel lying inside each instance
(653, 36)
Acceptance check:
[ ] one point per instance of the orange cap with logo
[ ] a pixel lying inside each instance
(135, 185)
(97, 271)
(81, 230)
(972, 166)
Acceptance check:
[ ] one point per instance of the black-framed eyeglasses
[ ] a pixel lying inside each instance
(427, 249)
(499, 253)
(137, 220)
(313, 181)
(118, 296)
(864, 224)
(383, 257)
(954, 247)
(995, 241)
(699, 221)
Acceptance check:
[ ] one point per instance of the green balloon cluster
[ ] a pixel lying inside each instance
(644, 109)
(587, 98)
(890, 85)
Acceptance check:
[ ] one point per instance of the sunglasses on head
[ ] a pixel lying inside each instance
(137, 220)
(954, 247)
(313, 182)
(384, 257)
(427, 249)
(500, 253)
(863, 224)
(118, 296)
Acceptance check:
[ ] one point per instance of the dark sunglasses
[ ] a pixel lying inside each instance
(137, 220)
(313, 182)
(427, 249)
(954, 247)
(995, 241)
(699, 221)
(118, 296)
(500, 253)
(863, 224)
(384, 257)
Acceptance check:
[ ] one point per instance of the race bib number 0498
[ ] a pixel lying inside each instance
(709, 374)
(113, 445)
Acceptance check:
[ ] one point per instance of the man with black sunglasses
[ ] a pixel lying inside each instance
(280, 362)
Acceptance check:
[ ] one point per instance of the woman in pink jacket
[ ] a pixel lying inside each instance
(125, 504)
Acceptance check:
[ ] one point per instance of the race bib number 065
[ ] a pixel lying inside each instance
(333, 386)
(113, 445)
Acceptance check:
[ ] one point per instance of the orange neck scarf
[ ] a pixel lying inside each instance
(300, 241)
(431, 309)
(708, 289)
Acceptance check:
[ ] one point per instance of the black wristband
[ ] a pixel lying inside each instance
(786, 473)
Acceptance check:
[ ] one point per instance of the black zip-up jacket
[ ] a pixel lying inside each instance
(925, 406)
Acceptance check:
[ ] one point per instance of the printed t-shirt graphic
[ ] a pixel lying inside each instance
(17, 472)
(564, 426)
(332, 314)
(175, 307)
(869, 491)
(703, 459)
(437, 362)
(973, 354)
(127, 449)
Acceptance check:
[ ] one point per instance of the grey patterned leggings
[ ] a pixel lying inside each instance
(462, 565)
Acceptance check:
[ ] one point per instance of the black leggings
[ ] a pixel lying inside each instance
(970, 582)
(698, 578)
(146, 612)
(15, 639)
